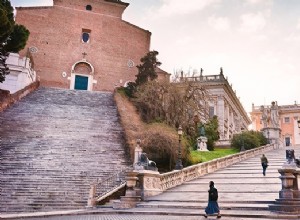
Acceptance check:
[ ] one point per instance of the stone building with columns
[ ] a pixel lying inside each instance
(79, 44)
(223, 103)
(288, 115)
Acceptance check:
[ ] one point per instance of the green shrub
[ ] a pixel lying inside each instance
(248, 139)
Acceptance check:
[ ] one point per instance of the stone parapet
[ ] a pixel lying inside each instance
(7, 99)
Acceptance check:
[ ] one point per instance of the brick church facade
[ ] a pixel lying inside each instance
(83, 44)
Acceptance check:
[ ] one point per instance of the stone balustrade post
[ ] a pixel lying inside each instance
(287, 182)
(289, 195)
(131, 198)
(92, 197)
(296, 193)
(137, 155)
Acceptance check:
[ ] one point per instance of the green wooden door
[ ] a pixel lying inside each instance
(81, 82)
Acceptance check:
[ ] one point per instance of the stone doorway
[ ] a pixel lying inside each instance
(287, 141)
(82, 76)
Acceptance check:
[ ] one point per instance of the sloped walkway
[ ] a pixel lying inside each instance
(54, 144)
(244, 193)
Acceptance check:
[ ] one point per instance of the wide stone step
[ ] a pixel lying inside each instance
(202, 204)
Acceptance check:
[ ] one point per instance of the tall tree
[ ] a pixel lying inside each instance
(212, 133)
(17, 39)
(13, 37)
(146, 72)
(6, 20)
(147, 68)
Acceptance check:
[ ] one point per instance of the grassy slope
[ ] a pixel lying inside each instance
(203, 156)
(135, 128)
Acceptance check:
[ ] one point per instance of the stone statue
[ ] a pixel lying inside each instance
(146, 163)
(274, 115)
(201, 141)
(290, 155)
(264, 116)
(202, 131)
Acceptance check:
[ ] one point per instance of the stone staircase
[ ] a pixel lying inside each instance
(54, 144)
(243, 191)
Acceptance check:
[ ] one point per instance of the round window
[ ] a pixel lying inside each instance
(88, 7)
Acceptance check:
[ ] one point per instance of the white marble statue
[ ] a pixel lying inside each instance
(274, 115)
(264, 116)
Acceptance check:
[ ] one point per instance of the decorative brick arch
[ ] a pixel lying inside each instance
(84, 69)
(83, 65)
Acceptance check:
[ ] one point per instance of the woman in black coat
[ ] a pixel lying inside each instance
(212, 206)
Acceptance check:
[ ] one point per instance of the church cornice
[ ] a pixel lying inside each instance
(34, 7)
(117, 2)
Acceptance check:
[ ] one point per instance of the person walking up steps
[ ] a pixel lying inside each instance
(264, 163)
(212, 206)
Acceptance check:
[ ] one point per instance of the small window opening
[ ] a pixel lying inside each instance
(88, 7)
(85, 37)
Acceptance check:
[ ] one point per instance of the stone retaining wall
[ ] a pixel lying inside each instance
(7, 99)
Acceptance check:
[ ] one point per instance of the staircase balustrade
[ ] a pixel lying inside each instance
(102, 189)
(154, 184)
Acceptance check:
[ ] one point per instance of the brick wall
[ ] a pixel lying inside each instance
(56, 32)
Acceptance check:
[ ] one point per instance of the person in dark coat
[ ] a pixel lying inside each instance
(264, 163)
(212, 206)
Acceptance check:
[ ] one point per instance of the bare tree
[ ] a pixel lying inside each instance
(173, 103)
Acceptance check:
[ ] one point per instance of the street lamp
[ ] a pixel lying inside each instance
(179, 162)
(242, 136)
(268, 132)
(242, 147)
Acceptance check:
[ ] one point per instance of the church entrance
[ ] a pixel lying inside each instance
(287, 141)
(82, 76)
(81, 82)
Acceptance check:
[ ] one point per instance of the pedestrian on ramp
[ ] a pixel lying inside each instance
(212, 206)
(264, 163)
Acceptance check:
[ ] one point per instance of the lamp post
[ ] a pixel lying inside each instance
(179, 162)
(242, 136)
(242, 147)
(268, 137)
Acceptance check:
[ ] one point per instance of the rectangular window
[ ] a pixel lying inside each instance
(286, 119)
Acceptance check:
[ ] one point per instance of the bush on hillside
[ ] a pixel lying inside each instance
(250, 140)
(160, 142)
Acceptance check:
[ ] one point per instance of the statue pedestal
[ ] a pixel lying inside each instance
(272, 134)
(201, 143)
(289, 195)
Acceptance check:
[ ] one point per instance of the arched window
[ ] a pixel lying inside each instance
(85, 37)
(88, 7)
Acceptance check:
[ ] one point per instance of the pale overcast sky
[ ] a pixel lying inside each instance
(257, 42)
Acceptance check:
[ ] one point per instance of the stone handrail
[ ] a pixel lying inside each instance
(155, 183)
